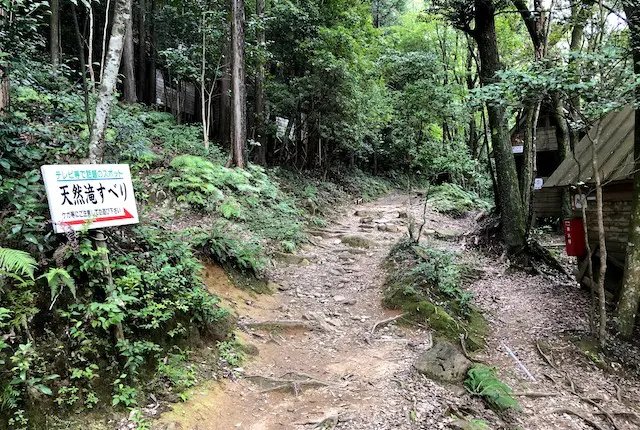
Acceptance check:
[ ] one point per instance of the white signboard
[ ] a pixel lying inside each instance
(97, 195)
(537, 184)
(517, 149)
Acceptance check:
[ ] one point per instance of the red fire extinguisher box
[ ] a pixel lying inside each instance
(574, 237)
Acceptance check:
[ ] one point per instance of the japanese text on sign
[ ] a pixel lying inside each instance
(97, 195)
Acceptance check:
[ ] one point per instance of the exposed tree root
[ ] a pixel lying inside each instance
(465, 352)
(385, 322)
(275, 324)
(289, 382)
(579, 415)
(328, 423)
(551, 362)
(536, 394)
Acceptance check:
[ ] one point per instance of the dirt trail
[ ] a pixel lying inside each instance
(339, 368)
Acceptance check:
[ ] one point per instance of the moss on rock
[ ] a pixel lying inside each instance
(428, 287)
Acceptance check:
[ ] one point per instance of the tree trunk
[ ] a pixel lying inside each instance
(261, 156)
(513, 223)
(128, 61)
(122, 15)
(83, 66)
(630, 294)
(527, 157)
(580, 13)
(92, 73)
(5, 93)
(103, 53)
(564, 147)
(151, 88)
(54, 28)
(142, 52)
(602, 327)
(203, 84)
(239, 133)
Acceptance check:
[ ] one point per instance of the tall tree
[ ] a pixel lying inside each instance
(128, 64)
(121, 18)
(261, 156)
(142, 52)
(238, 90)
(630, 294)
(482, 12)
(54, 28)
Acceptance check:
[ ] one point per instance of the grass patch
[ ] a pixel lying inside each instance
(427, 284)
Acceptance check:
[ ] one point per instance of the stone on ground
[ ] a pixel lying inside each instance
(443, 362)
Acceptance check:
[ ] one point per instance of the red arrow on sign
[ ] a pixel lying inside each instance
(126, 215)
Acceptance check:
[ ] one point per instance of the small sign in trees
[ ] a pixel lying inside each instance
(92, 195)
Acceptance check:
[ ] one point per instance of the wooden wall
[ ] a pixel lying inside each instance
(547, 202)
(617, 199)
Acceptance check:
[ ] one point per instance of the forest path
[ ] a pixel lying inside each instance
(318, 358)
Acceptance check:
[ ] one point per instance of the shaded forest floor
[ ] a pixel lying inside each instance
(318, 362)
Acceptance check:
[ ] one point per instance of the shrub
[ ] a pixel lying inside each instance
(451, 199)
(427, 284)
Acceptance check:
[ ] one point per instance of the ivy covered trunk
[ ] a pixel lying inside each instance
(122, 15)
(630, 294)
(513, 220)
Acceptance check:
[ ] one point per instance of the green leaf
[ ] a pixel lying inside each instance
(17, 262)
(44, 389)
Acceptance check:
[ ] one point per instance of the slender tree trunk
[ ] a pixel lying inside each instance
(128, 61)
(83, 66)
(602, 327)
(104, 38)
(592, 284)
(261, 156)
(92, 74)
(5, 93)
(513, 222)
(203, 65)
(238, 137)
(54, 28)
(151, 88)
(564, 148)
(527, 157)
(142, 52)
(580, 13)
(122, 15)
(630, 294)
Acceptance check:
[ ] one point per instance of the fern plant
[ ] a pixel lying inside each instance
(16, 264)
(58, 278)
(482, 381)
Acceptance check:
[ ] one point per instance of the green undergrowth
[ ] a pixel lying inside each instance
(70, 341)
(88, 343)
(453, 200)
(482, 381)
(427, 284)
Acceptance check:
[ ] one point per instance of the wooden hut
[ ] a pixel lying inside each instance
(546, 201)
(615, 157)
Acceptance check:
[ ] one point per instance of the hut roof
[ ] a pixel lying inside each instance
(615, 152)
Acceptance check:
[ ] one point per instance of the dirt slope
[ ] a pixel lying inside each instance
(318, 357)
